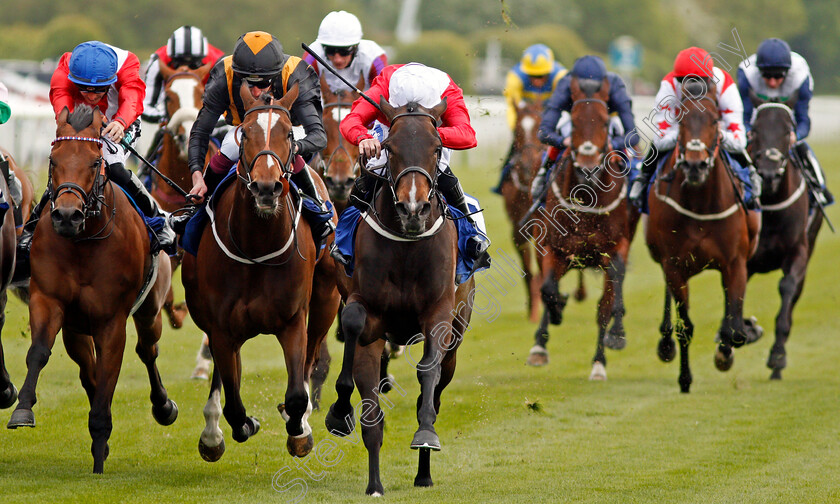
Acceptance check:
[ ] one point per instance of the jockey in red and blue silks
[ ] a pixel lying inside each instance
(107, 77)
(775, 73)
(586, 67)
(697, 63)
(531, 80)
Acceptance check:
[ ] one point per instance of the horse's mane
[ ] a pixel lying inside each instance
(412, 106)
(81, 117)
(590, 86)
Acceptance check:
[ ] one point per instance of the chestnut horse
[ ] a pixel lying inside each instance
(589, 222)
(255, 273)
(698, 221)
(184, 91)
(90, 264)
(402, 289)
(788, 232)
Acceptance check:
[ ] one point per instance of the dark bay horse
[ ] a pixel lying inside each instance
(253, 274)
(589, 222)
(183, 91)
(698, 221)
(403, 288)
(788, 232)
(8, 392)
(90, 264)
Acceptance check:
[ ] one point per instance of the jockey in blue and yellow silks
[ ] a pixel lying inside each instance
(533, 79)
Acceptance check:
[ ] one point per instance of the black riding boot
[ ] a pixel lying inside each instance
(452, 191)
(361, 196)
(755, 179)
(320, 230)
(129, 181)
(641, 182)
(24, 243)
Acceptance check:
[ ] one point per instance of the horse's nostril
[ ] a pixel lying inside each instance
(426, 209)
(402, 209)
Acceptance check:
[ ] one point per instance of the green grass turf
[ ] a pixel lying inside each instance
(510, 433)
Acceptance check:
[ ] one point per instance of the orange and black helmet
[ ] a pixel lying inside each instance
(258, 54)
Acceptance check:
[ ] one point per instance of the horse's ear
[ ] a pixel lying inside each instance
(203, 70)
(574, 87)
(756, 101)
(61, 119)
(360, 84)
(604, 91)
(290, 96)
(96, 123)
(387, 109)
(439, 109)
(324, 86)
(245, 94)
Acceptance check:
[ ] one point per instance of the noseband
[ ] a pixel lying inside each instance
(697, 145)
(285, 167)
(91, 200)
(774, 154)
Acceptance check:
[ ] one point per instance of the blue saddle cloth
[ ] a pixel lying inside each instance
(153, 226)
(348, 223)
(742, 172)
(195, 227)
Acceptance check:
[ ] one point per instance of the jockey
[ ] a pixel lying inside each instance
(401, 84)
(187, 46)
(104, 76)
(258, 60)
(775, 73)
(697, 63)
(15, 188)
(340, 41)
(585, 68)
(533, 79)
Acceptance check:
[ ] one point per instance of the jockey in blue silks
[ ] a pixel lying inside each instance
(775, 73)
(585, 68)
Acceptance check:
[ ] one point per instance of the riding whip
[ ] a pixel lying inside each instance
(335, 72)
(166, 179)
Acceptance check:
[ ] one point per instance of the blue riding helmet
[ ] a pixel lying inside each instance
(93, 64)
(773, 53)
(589, 67)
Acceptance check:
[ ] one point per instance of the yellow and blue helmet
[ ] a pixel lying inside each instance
(537, 60)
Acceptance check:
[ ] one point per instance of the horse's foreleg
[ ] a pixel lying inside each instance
(685, 328)
(340, 420)
(790, 288)
(8, 392)
(322, 311)
(149, 327)
(296, 403)
(523, 247)
(614, 281)
(371, 417)
(666, 349)
(552, 299)
(227, 363)
(110, 346)
(211, 444)
(45, 318)
(203, 360)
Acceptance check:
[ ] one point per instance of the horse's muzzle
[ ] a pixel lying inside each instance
(266, 194)
(339, 189)
(413, 216)
(68, 221)
(696, 172)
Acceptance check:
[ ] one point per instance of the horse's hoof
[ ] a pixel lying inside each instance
(599, 372)
(8, 397)
(21, 418)
(386, 384)
(615, 341)
(338, 426)
(166, 414)
(300, 446)
(666, 350)
(777, 361)
(776, 374)
(423, 481)
(281, 407)
(724, 361)
(211, 453)
(753, 331)
(200, 373)
(247, 430)
(177, 313)
(375, 490)
(425, 439)
(538, 356)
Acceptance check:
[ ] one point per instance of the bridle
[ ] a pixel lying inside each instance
(325, 165)
(285, 167)
(773, 153)
(587, 148)
(93, 198)
(697, 145)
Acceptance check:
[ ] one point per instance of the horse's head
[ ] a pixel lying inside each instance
(339, 157)
(76, 169)
(770, 141)
(590, 124)
(265, 159)
(527, 148)
(183, 94)
(699, 138)
(413, 148)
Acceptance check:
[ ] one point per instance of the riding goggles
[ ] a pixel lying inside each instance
(259, 82)
(93, 89)
(774, 74)
(341, 51)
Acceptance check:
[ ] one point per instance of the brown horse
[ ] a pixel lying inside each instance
(90, 264)
(589, 222)
(788, 232)
(184, 91)
(403, 288)
(698, 221)
(253, 274)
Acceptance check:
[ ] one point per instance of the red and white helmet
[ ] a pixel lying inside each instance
(340, 29)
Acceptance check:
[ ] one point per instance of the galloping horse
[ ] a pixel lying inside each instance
(589, 222)
(788, 232)
(91, 270)
(403, 288)
(698, 221)
(254, 274)
(183, 91)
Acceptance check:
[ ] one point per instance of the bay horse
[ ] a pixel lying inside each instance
(788, 231)
(255, 273)
(589, 221)
(402, 288)
(698, 221)
(90, 264)
(183, 90)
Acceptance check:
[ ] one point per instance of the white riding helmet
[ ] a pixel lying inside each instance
(187, 42)
(340, 29)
